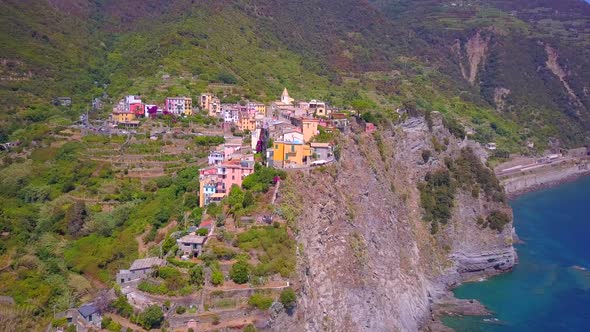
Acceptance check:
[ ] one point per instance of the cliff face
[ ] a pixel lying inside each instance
(368, 261)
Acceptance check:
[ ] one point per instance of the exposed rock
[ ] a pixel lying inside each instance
(500, 95)
(561, 74)
(474, 51)
(369, 262)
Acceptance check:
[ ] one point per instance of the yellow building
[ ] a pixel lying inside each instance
(246, 124)
(286, 153)
(205, 100)
(260, 108)
(309, 127)
(122, 117)
(188, 106)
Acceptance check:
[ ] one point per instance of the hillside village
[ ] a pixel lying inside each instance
(230, 267)
(225, 258)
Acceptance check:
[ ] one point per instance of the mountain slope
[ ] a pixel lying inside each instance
(388, 51)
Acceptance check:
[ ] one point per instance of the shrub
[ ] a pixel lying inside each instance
(179, 263)
(455, 128)
(152, 317)
(196, 276)
(437, 197)
(250, 328)
(239, 272)
(260, 301)
(122, 306)
(248, 199)
(167, 272)
(497, 219)
(288, 298)
(217, 277)
(180, 310)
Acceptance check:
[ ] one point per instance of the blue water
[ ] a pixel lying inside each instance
(550, 288)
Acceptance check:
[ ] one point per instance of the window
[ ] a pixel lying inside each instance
(292, 148)
(233, 177)
(276, 146)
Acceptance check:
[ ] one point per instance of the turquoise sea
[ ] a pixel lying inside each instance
(549, 290)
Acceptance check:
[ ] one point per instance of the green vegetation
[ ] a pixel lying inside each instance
(209, 140)
(497, 220)
(150, 318)
(216, 277)
(466, 173)
(196, 276)
(436, 196)
(262, 178)
(473, 176)
(260, 301)
(122, 307)
(288, 298)
(274, 247)
(240, 272)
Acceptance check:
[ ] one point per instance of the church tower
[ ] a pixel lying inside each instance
(285, 99)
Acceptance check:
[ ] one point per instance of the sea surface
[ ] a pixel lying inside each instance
(549, 290)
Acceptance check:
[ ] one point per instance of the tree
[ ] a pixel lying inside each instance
(239, 272)
(202, 231)
(152, 317)
(122, 306)
(75, 217)
(288, 298)
(248, 199)
(236, 196)
(216, 277)
(196, 276)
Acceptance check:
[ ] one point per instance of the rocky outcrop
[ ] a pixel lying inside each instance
(367, 259)
(500, 95)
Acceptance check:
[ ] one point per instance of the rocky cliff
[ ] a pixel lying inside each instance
(367, 260)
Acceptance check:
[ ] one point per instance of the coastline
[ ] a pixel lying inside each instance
(518, 185)
(546, 185)
(543, 178)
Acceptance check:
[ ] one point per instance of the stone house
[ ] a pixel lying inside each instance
(140, 269)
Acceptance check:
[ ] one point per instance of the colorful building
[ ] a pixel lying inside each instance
(179, 105)
(233, 172)
(122, 117)
(290, 153)
(309, 128)
(246, 123)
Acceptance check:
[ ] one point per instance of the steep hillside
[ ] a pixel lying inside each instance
(527, 60)
(46, 51)
(368, 259)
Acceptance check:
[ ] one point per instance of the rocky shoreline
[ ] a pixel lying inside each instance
(447, 304)
(546, 185)
(547, 177)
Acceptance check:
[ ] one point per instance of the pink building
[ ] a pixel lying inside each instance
(233, 172)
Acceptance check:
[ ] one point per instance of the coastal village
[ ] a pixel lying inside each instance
(250, 146)
(226, 262)
(225, 265)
